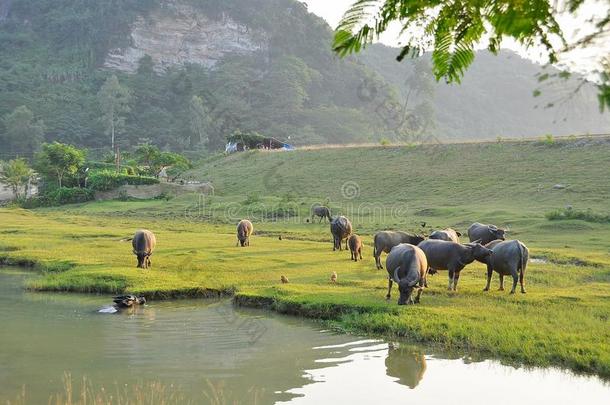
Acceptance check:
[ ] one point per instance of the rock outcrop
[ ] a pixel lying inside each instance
(178, 34)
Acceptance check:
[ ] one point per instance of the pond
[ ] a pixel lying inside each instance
(202, 351)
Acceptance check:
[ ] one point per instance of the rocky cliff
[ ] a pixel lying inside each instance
(178, 35)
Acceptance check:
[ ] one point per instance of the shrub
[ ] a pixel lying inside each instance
(58, 196)
(384, 141)
(106, 180)
(570, 213)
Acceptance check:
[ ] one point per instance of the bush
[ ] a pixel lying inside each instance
(570, 213)
(106, 180)
(58, 196)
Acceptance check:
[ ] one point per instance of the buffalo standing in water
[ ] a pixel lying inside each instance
(384, 241)
(509, 258)
(143, 243)
(485, 233)
(341, 229)
(443, 255)
(321, 212)
(450, 235)
(408, 267)
(244, 230)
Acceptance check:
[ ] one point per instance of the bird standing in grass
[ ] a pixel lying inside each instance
(284, 279)
(333, 277)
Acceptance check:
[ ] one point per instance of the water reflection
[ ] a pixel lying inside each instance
(405, 363)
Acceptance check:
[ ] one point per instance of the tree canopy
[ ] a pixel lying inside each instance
(452, 30)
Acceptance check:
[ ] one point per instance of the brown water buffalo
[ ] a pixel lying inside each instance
(244, 230)
(321, 212)
(143, 243)
(407, 266)
(355, 247)
(448, 234)
(444, 255)
(341, 229)
(485, 233)
(384, 241)
(509, 258)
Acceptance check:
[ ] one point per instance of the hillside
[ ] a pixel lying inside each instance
(496, 98)
(257, 65)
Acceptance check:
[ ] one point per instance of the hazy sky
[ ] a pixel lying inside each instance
(573, 27)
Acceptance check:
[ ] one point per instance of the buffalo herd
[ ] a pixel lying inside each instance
(411, 257)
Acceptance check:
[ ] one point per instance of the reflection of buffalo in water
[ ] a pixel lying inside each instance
(405, 363)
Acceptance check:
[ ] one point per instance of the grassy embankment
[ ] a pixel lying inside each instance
(562, 320)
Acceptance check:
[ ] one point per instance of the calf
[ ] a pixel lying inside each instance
(355, 247)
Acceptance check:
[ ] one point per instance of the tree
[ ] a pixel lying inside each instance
(155, 160)
(16, 174)
(453, 28)
(56, 160)
(114, 101)
(23, 133)
(200, 121)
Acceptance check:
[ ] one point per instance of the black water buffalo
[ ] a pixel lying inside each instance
(321, 212)
(448, 234)
(384, 241)
(143, 243)
(444, 255)
(407, 266)
(244, 230)
(509, 258)
(341, 229)
(355, 247)
(485, 233)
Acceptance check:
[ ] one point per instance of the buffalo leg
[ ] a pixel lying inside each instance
(389, 294)
(522, 281)
(489, 274)
(501, 283)
(419, 290)
(450, 287)
(515, 280)
(456, 278)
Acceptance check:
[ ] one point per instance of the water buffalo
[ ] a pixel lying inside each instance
(448, 234)
(143, 244)
(485, 233)
(444, 255)
(341, 229)
(355, 246)
(384, 241)
(509, 258)
(244, 230)
(407, 266)
(321, 212)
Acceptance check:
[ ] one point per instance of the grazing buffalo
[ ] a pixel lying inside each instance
(321, 212)
(244, 230)
(444, 255)
(384, 242)
(341, 229)
(450, 235)
(485, 233)
(509, 258)
(407, 266)
(355, 247)
(143, 244)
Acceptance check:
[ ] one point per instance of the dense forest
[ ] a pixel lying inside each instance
(51, 61)
(57, 84)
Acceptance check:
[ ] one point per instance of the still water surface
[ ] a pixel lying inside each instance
(208, 351)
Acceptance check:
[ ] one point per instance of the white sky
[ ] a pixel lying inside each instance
(573, 27)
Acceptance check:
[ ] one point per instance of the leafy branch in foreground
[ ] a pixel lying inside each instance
(451, 28)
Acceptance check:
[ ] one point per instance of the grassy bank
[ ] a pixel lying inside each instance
(563, 320)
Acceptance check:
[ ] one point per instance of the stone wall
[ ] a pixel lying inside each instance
(145, 192)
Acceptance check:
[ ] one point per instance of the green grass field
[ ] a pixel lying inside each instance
(562, 320)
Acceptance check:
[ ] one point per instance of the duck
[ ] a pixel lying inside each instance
(333, 277)
(284, 279)
(128, 301)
